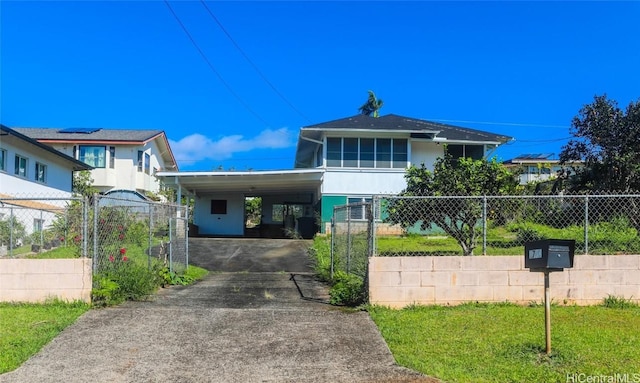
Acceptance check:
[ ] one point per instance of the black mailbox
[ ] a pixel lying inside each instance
(549, 254)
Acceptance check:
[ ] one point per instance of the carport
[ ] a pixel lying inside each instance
(290, 200)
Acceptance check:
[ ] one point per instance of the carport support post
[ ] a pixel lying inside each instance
(547, 312)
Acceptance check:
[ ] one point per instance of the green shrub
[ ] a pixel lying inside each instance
(347, 290)
(124, 280)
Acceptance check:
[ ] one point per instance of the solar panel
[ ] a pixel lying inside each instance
(79, 130)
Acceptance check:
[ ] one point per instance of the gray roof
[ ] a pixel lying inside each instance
(106, 135)
(413, 127)
(75, 164)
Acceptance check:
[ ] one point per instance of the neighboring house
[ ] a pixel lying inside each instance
(121, 159)
(336, 162)
(30, 169)
(539, 167)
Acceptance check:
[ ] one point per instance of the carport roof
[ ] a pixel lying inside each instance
(248, 183)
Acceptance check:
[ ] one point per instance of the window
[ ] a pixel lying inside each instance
(41, 172)
(21, 166)
(93, 155)
(112, 157)
(218, 206)
(358, 212)
(334, 152)
(475, 152)
(140, 153)
(319, 156)
(367, 152)
(399, 153)
(147, 162)
(383, 153)
(38, 225)
(3, 160)
(350, 153)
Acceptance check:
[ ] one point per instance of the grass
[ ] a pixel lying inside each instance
(26, 328)
(505, 342)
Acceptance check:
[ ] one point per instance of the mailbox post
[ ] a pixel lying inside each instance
(547, 256)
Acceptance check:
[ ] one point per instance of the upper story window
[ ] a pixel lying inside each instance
(95, 156)
(140, 156)
(3, 160)
(475, 152)
(41, 172)
(112, 157)
(21, 166)
(349, 152)
(147, 163)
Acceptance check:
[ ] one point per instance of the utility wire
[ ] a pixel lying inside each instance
(499, 123)
(213, 68)
(255, 67)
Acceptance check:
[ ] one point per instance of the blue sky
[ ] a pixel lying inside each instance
(523, 69)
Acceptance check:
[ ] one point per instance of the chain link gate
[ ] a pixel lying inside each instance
(351, 236)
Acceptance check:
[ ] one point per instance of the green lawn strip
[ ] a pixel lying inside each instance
(26, 328)
(505, 343)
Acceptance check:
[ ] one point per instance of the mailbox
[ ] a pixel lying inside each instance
(549, 254)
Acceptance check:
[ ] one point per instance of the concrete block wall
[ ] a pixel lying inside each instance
(401, 281)
(36, 280)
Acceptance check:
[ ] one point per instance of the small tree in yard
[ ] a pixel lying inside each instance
(459, 215)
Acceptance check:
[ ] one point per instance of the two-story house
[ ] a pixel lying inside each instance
(35, 180)
(121, 159)
(540, 167)
(337, 162)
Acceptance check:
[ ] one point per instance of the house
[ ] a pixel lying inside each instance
(539, 167)
(28, 169)
(336, 162)
(121, 159)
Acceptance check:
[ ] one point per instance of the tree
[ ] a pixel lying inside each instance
(463, 180)
(607, 140)
(83, 184)
(372, 105)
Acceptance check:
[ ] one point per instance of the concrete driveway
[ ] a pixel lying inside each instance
(272, 325)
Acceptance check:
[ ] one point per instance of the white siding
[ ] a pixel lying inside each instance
(363, 181)
(426, 153)
(231, 223)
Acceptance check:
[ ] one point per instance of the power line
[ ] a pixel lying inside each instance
(222, 80)
(255, 67)
(499, 123)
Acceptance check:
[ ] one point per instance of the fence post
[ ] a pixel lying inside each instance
(170, 243)
(484, 225)
(186, 233)
(348, 239)
(371, 230)
(11, 218)
(586, 224)
(95, 232)
(151, 211)
(84, 232)
(333, 239)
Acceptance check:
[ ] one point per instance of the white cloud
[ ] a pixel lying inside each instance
(197, 147)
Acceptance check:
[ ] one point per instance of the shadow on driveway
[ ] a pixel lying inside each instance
(257, 326)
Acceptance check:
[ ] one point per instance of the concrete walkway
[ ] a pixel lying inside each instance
(230, 327)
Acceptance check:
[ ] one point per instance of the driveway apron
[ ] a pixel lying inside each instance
(260, 316)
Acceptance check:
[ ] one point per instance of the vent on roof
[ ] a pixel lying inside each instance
(79, 130)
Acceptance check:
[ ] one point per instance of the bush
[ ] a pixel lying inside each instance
(347, 290)
(124, 281)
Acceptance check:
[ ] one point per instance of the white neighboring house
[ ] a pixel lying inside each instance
(121, 159)
(540, 167)
(337, 162)
(33, 171)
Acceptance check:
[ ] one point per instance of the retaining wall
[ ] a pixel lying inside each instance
(401, 281)
(36, 280)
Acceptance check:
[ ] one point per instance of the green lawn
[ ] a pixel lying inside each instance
(505, 343)
(26, 328)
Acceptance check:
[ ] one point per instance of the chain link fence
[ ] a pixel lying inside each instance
(500, 225)
(35, 224)
(351, 236)
(110, 230)
(138, 231)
